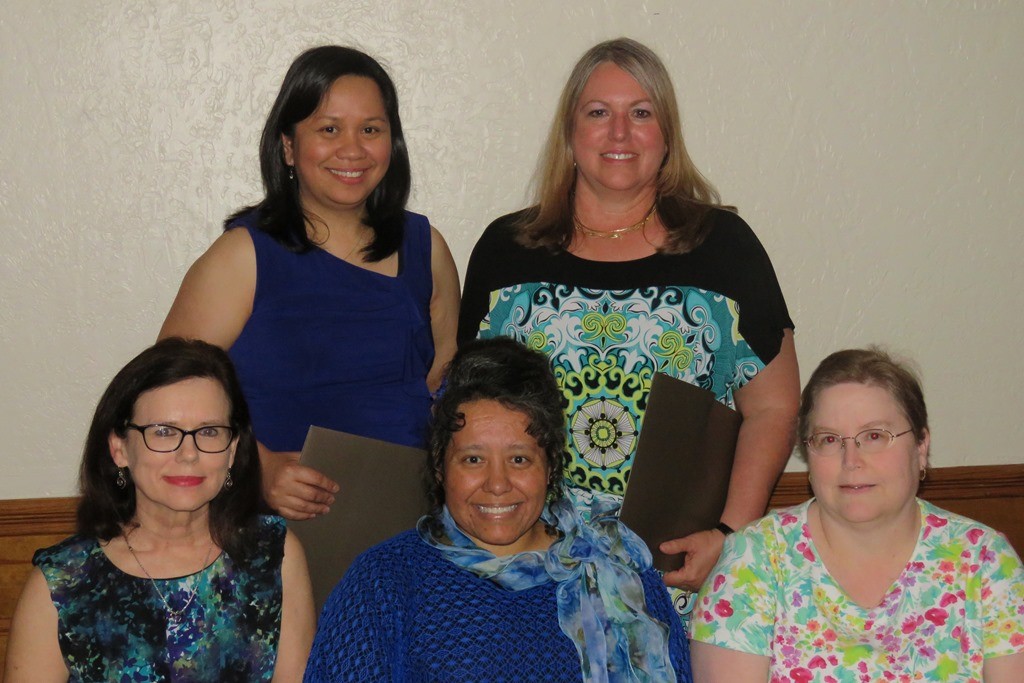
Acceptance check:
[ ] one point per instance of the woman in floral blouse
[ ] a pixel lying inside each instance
(865, 582)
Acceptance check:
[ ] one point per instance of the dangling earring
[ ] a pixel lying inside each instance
(809, 482)
(924, 473)
(121, 481)
(291, 173)
(228, 483)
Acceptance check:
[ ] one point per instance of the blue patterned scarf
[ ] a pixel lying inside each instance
(601, 604)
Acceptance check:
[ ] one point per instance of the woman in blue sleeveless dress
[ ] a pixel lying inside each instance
(173, 574)
(336, 304)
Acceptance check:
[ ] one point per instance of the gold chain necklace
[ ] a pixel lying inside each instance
(174, 614)
(617, 232)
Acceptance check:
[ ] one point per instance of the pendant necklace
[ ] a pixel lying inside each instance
(617, 232)
(174, 614)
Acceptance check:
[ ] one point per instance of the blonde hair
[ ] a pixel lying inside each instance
(684, 195)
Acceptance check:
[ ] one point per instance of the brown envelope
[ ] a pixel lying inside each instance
(681, 469)
(383, 492)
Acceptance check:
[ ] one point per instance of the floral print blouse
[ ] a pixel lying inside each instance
(958, 601)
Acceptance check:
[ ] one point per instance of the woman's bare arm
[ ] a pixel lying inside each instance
(444, 307)
(714, 664)
(213, 304)
(215, 299)
(33, 653)
(298, 618)
(1005, 669)
(769, 404)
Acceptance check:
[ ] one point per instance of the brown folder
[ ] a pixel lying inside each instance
(681, 469)
(383, 492)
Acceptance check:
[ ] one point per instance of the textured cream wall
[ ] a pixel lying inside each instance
(876, 148)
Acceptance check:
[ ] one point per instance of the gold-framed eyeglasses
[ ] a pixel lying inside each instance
(167, 438)
(868, 442)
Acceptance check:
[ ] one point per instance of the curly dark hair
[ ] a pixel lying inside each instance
(518, 378)
(105, 509)
(307, 82)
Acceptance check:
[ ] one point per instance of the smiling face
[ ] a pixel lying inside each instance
(617, 142)
(495, 480)
(858, 489)
(341, 152)
(185, 480)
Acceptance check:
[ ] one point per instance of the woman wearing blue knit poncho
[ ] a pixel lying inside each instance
(503, 582)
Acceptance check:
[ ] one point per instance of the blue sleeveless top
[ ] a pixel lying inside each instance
(113, 626)
(335, 345)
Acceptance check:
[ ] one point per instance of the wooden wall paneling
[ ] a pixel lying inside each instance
(992, 494)
(25, 526)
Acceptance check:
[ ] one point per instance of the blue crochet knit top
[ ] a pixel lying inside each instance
(405, 613)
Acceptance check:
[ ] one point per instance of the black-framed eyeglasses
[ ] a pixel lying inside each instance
(869, 441)
(167, 439)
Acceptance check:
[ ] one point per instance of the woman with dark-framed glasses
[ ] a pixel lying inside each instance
(173, 574)
(865, 581)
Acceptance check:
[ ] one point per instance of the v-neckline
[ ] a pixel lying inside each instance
(823, 576)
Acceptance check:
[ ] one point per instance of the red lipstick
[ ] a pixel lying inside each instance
(184, 481)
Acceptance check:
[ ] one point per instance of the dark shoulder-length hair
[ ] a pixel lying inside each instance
(105, 509)
(684, 196)
(304, 87)
(518, 378)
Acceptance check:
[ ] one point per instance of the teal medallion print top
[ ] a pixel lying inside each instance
(115, 627)
(606, 345)
(713, 317)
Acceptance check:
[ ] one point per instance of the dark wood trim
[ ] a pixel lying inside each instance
(992, 494)
(943, 483)
(32, 516)
(29, 516)
(977, 481)
(791, 489)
